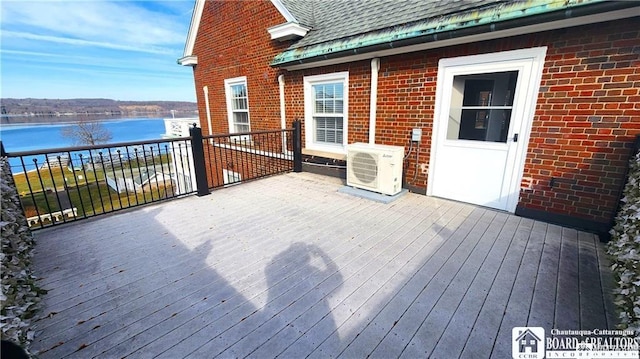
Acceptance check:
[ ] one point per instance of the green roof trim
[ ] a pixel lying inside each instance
(478, 18)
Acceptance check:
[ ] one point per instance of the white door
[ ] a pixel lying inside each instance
(484, 108)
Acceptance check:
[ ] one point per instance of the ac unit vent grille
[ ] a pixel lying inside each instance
(364, 167)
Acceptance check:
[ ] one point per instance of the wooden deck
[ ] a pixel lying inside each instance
(288, 267)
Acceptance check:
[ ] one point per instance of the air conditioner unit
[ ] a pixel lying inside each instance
(376, 168)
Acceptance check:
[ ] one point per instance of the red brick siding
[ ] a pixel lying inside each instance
(587, 115)
(233, 41)
(587, 112)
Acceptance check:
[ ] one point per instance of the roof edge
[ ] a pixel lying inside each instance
(284, 11)
(366, 46)
(198, 6)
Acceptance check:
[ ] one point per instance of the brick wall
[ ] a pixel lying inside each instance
(587, 113)
(233, 41)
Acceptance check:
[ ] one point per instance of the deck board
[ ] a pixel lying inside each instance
(287, 266)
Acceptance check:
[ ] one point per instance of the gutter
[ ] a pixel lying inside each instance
(373, 100)
(205, 89)
(283, 118)
(528, 24)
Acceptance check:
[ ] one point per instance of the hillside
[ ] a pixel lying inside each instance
(49, 110)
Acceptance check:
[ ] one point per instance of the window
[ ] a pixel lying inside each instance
(326, 109)
(481, 106)
(237, 104)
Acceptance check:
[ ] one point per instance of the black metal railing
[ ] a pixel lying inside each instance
(234, 158)
(65, 184)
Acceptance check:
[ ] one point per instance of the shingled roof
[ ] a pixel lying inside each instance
(343, 28)
(338, 19)
(333, 31)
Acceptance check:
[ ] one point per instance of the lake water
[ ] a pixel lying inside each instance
(30, 137)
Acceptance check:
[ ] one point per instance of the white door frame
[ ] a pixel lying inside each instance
(530, 90)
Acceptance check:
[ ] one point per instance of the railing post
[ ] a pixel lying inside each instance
(198, 161)
(297, 146)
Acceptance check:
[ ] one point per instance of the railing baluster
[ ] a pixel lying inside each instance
(44, 190)
(64, 186)
(124, 178)
(115, 178)
(86, 181)
(164, 180)
(219, 161)
(169, 161)
(77, 186)
(95, 180)
(137, 154)
(33, 198)
(135, 194)
(153, 163)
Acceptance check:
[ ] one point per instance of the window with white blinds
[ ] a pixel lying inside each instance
(237, 104)
(326, 98)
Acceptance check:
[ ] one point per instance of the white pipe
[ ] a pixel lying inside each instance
(373, 102)
(283, 118)
(206, 103)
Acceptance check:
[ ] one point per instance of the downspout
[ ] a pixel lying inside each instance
(283, 119)
(373, 101)
(206, 103)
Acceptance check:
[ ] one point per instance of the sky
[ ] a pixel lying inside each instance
(121, 50)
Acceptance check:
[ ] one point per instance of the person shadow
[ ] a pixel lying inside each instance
(303, 284)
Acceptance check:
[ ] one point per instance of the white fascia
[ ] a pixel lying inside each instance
(188, 57)
(287, 31)
(284, 11)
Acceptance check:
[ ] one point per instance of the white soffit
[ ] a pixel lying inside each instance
(287, 31)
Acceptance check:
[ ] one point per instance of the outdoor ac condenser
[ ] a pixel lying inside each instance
(376, 168)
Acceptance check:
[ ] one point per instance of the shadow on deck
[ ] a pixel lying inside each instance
(287, 266)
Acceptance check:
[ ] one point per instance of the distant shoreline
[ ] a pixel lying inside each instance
(17, 120)
(33, 110)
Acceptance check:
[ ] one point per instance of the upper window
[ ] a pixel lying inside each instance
(237, 104)
(326, 98)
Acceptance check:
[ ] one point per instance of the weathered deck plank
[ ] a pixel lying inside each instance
(288, 266)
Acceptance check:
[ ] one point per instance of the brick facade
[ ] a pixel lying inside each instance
(587, 113)
(233, 41)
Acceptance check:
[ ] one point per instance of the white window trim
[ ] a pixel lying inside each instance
(227, 91)
(309, 81)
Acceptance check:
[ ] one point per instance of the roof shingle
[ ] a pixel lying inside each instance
(335, 19)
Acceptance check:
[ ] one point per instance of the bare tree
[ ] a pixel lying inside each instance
(87, 133)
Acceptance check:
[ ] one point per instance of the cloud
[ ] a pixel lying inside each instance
(92, 23)
(115, 49)
(80, 42)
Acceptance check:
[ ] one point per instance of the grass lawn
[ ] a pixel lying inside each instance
(91, 199)
(87, 190)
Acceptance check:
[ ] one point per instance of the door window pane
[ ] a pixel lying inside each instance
(481, 106)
